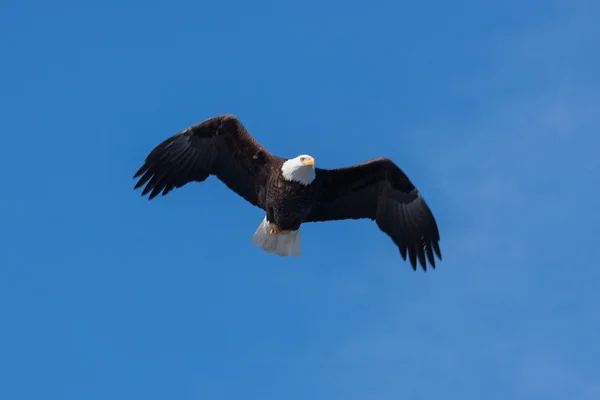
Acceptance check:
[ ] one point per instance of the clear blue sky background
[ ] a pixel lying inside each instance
(490, 108)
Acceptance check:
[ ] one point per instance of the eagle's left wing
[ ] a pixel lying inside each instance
(379, 190)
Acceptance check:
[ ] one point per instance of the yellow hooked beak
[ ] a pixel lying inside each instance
(309, 162)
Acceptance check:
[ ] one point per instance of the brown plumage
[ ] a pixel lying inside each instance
(293, 191)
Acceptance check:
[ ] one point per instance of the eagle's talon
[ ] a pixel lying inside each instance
(276, 231)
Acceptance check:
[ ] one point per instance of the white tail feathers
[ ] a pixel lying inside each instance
(283, 245)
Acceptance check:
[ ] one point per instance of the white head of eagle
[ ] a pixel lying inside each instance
(300, 169)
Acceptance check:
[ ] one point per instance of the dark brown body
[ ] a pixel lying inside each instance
(288, 202)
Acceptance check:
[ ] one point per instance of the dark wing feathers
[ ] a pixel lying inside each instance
(380, 191)
(218, 146)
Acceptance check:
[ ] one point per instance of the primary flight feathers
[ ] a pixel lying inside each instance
(294, 191)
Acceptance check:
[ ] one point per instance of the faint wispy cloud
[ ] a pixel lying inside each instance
(516, 183)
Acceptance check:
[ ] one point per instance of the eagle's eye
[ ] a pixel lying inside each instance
(302, 158)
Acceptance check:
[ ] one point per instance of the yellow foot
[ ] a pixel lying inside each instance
(276, 231)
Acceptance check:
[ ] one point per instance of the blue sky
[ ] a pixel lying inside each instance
(490, 108)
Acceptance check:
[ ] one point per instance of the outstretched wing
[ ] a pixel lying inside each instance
(380, 191)
(219, 146)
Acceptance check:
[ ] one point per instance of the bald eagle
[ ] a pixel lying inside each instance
(293, 191)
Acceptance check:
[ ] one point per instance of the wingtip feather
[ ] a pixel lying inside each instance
(436, 248)
(140, 171)
(430, 256)
(403, 252)
(413, 259)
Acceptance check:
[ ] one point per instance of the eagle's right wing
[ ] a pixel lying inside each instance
(219, 146)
